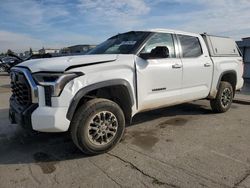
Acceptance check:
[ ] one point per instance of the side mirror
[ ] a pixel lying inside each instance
(156, 53)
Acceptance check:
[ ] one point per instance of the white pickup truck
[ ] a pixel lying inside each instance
(95, 96)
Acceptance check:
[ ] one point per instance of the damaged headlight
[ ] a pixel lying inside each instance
(55, 81)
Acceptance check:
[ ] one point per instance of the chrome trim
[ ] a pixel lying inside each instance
(33, 86)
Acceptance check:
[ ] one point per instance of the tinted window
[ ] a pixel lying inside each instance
(160, 39)
(190, 46)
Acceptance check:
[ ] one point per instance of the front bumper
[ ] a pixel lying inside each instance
(20, 115)
(42, 119)
(49, 119)
(28, 107)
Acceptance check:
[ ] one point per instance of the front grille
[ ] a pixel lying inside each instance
(21, 91)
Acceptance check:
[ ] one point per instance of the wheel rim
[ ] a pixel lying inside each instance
(102, 128)
(226, 97)
(1, 69)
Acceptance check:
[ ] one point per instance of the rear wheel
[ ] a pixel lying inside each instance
(224, 98)
(97, 126)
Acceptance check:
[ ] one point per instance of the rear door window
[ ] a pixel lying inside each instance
(190, 45)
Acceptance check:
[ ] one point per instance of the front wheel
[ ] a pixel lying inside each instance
(97, 126)
(224, 98)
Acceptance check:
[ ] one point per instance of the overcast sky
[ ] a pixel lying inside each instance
(58, 23)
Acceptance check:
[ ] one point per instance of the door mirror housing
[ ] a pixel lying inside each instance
(156, 53)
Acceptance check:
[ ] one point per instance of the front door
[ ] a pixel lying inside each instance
(158, 79)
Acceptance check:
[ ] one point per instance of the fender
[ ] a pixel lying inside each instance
(223, 73)
(214, 88)
(82, 92)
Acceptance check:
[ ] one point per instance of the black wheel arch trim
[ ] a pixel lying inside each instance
(226, 72)
(82, 92)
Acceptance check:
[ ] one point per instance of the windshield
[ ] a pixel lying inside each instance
(124, 43)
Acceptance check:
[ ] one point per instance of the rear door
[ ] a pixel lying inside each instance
(158, 79)
(197, 67)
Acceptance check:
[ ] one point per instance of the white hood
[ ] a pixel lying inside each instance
(60, 64)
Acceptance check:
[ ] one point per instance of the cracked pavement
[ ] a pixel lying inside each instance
(181, 146)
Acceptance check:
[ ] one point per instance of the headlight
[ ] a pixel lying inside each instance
(56, 81)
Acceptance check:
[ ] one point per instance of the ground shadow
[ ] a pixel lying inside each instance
(182, 109)
(243, 102)
(6, 86)
(18, 145)
(21, 146)
(4, 74)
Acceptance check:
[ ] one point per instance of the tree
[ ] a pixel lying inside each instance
(31, 51)
(9, 52)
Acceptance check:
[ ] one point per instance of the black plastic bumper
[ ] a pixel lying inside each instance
(21, 115)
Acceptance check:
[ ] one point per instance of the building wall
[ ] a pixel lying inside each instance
(244, 46)
(247, 63)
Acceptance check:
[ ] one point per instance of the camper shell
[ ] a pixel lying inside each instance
(221, 46)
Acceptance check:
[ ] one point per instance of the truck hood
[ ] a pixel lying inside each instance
(61, 64)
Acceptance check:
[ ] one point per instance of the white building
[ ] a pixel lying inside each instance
(27, 54)
(53, 52)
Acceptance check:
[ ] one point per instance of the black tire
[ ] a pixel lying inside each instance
(87, 116)
(218, 104)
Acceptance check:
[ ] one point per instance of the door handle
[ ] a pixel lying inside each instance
(176, 66)
(207, 65)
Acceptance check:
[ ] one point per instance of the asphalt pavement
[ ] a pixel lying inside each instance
(180, 146)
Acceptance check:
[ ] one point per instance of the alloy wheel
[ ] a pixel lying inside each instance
(102, 128)
(226, 97)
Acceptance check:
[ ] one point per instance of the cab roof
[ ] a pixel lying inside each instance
(161, 30)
